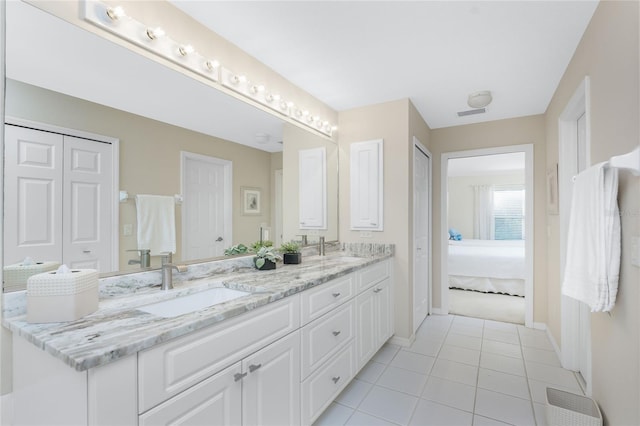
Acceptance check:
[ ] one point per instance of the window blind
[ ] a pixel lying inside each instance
(508, 212)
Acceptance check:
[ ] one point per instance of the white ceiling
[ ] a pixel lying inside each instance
(496, 164)
(354, 53)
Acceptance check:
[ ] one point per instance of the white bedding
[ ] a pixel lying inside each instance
(487, 265)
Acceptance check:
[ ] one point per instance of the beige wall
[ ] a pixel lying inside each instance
(515, 131)
(608, 54)
(149, 156)
(460, 209)
(396, 123)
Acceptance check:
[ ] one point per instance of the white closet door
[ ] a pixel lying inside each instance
(313, 188)
(366, 180)
(33, 195)
(87, 212)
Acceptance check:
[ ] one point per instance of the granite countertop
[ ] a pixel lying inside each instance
(118, 329)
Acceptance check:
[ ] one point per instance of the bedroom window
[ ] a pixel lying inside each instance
(508, 212)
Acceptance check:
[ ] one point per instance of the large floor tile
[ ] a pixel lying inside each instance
(455, 371)
(458, 354)
(541, 356)
(450, 393)
(505, 364)
(463, 341)
(501, 336)
(485, 421)
(506, 408)
(538, 390)
(413, 361)
(386, 353)
(426, 346)
(505, 327)
(363, 419)
(402, 380)
(335, 414)
(429, 413)
(540, 412)
(467, 330)
(500, 348)
(538, 341)
(504, 383)
(467, 321)
(550, 374)
(371, 372)
(389, 405)
(354, 393)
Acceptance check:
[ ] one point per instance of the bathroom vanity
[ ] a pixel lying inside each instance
(277, 355)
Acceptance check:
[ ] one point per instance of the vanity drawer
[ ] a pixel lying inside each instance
(167, 369)
(320, 300)
(326, 336)
(373, 274)
(326, 383)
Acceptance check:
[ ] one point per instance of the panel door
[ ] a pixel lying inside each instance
(313, 188)
(366, 336)
(215, 401)
(383, 312)
(366, 177)
(422, 211)
(88, 205)
(33, 195)
(206, 221)
(271, 389)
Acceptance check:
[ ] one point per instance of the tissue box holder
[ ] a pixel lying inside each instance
(16, 276)
(53, 297)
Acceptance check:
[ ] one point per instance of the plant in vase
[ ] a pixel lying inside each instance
(266, 258)
(291, 253)
(258, 244)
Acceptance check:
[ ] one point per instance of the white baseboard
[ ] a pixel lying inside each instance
(403, 341)
(540, 326)
(438, 311)
(6, 409)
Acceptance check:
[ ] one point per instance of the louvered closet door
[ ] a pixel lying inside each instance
(87, 211)
(33, 195)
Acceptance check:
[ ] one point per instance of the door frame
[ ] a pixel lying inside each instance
(528, 222)
(420, 146)
(115, 172)
(228, 192)
(579, 104)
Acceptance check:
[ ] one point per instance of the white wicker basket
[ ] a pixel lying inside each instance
(569, 409)
(16, 276)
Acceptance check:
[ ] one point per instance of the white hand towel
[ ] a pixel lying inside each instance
(593, 247)
(156, 223)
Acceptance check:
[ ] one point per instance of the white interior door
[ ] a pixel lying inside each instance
(206, 209)
(33, 195)
(87, 210)
(422, 237)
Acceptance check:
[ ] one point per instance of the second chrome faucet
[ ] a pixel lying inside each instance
(167, 271)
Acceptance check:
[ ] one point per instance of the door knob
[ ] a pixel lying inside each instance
(219, 239)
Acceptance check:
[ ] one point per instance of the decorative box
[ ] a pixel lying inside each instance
(16, 276)
(57, 297)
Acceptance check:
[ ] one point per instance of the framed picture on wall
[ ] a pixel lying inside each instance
(552, 190)
(251, 201)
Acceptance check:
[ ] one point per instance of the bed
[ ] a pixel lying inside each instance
(496, 266)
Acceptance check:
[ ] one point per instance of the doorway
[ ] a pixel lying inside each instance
(422, 233)
(499, 219)
(206, 210)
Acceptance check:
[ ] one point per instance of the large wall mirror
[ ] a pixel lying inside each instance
(69, 78)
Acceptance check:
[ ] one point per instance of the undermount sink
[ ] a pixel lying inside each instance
(192, 302)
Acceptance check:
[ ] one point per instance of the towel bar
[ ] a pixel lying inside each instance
(629, 161)
(125, 196)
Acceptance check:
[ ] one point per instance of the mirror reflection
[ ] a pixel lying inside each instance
(100, 119)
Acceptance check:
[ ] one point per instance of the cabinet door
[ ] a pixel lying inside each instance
(313, 188)
(366, 336)
(271, 388)
(366, 180)
(215, 401)
(382, 292)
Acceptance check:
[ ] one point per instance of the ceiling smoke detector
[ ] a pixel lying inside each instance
(479, 99)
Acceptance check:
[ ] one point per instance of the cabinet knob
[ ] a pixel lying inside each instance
(336, 333)
(239, 376)
(254, 367)
(373, 224)
(335, 379)
(335, 294)
(377, 290)
(86, 251)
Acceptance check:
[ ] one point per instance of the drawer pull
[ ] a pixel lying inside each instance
(335, 294)
(377, 290)
(336, 333)
(254, 367)
(239, 376)
(335, 379)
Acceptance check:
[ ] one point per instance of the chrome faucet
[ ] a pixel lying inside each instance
(321, 246)
(167, 274)
(145, 258)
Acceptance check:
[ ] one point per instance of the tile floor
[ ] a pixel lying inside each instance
(459, 371)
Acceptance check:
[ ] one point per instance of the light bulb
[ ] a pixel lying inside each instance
(211, 65)
(115, 13)
(184, 50)
(154, 33)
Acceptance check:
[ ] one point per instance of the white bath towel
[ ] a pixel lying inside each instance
(156, 223)
(593, 247)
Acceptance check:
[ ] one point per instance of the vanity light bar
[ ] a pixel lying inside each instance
(155, 40)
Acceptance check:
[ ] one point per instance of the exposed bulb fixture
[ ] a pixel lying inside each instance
(479, 99)
(211, 65)
(283, 105)
(186, 49)
(154, 33)
(115, 13)
(269, 97)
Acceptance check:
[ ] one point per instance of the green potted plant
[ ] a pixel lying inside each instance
(237, 249)
(266, 258)
(258, 244)
(291, 253)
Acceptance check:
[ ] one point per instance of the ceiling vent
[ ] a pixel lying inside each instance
(472, 112)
